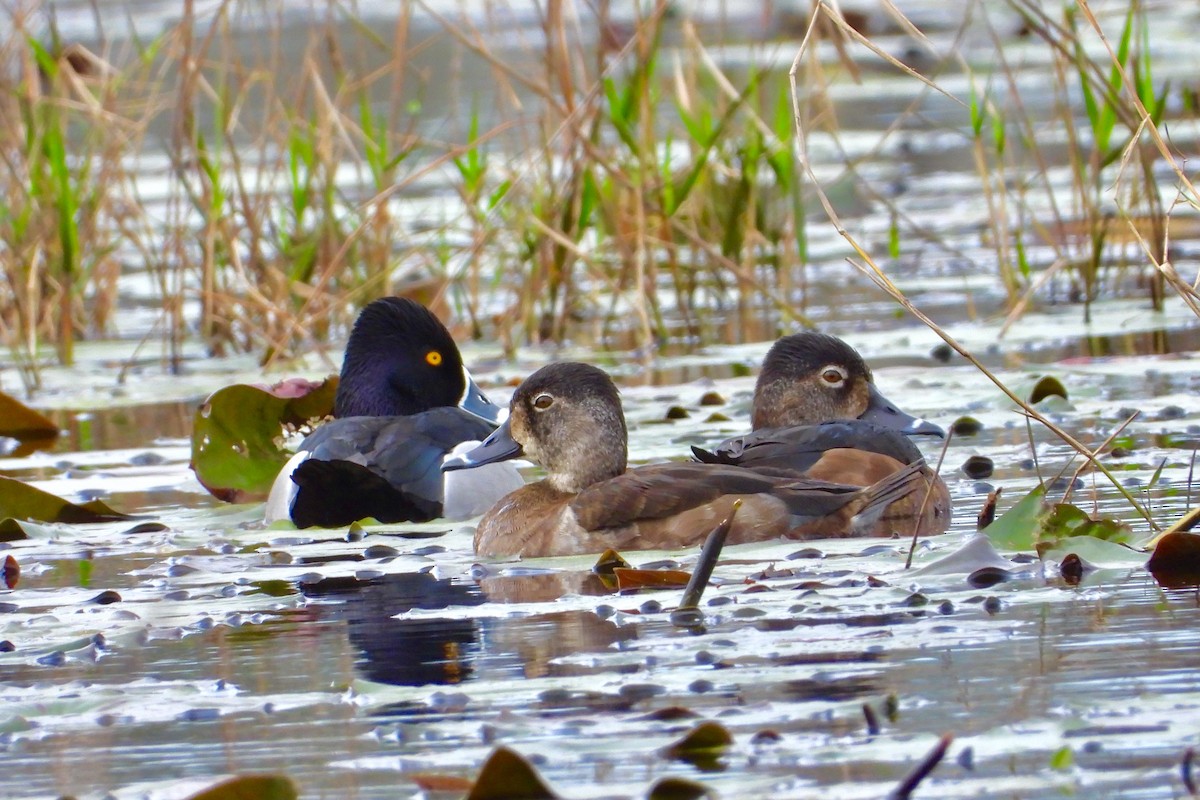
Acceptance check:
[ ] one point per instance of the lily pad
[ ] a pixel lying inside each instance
(238, 432)
(1047, 386)
(1016, 529)
(251, 787)
(20, 501)
(1095, 552)
(506, 775)
(1034, 523)
(31, 428)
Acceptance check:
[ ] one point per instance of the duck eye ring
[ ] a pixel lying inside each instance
(833, 376)
(433, 358)
(543, 401)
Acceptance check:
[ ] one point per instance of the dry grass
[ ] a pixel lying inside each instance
(267, 179)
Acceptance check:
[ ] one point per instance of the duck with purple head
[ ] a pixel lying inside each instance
(404, 401)
(567, 417)
(818, 414)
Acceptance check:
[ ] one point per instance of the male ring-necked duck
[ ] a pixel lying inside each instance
(404, 401)
(817, 413)
(568, 418)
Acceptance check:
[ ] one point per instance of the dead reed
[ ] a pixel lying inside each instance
(626, 180)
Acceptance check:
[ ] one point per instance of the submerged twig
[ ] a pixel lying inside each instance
(919, 773)
(937, 470)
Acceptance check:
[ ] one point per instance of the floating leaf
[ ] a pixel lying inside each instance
(1048, 386)
(1066, 521)
(506, 775)
(1062, 758)
(1035, 524)
(630, 579)
(20, 501)
(608, 561)
(31, 428)
(1176, 560)
(702, 745)
(12, 531)
(1016, 529)
(678, 789)
(978, 467)
(251, 787)
(237, 433)
(1100, 553)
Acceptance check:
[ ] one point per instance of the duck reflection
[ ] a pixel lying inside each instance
(454, 649)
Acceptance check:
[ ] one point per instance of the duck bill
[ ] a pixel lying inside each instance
(475, 402)
(500, 446)
(882, 411)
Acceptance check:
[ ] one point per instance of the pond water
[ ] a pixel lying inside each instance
(143, 661)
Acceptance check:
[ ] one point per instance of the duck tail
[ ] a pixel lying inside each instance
(878, 496)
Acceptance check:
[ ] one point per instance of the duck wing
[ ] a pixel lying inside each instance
(658, 491)
(388, 468)
(798, 449)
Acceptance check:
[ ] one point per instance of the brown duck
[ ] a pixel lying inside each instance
(567, 417)
(817, 414)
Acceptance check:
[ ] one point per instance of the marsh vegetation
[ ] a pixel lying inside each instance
(202, 193)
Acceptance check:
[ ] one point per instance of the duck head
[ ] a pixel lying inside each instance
(566, 417)
(401, 360)
(809, 378)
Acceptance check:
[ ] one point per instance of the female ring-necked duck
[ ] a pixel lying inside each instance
(818, 414)
(404, 401)
(568, 418)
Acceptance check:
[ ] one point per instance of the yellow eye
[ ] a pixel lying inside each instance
(433, 358)
(542, 402)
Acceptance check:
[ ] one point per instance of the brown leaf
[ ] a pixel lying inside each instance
(21, 501)
(629, 579)
(1175, 561)
(31, 428)
(702, 745)
(506, 775)
(250, 787)
(678, 789)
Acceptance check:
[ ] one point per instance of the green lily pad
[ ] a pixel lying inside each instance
(1034, 523)
(251, 787)
(20, 501)
(1102, 553)
(1047, 386)
(506, 775)
(1016, 529)
(238, 432)
(1067, 521)
(31, 428)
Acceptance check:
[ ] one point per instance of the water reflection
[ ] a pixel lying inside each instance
(453, 649)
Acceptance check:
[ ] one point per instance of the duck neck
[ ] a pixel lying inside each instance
(587, 457)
